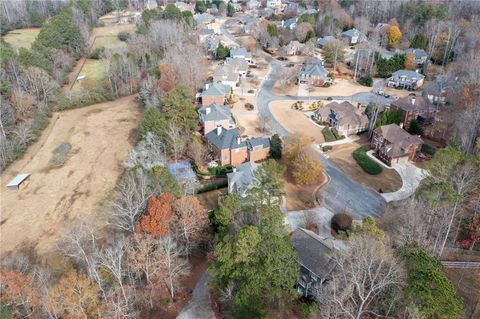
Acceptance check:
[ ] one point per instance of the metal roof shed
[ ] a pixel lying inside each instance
(18, 181)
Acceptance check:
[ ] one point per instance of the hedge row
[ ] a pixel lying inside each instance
(213, 186)
(365, 162)
(428, 149)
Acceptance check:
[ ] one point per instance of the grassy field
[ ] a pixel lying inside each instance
(99, 137)
(109, 42)
(92, 70)
(21, 38)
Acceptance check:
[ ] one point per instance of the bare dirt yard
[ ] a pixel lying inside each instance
(295, 121)
(300, 197)
(247, 120)
(387, 181)
(100, 137)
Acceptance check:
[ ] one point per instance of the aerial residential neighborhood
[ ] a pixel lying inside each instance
(240, 159)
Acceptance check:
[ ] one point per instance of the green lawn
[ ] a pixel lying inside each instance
(365, 162)
(93, 70)
(109, 42)
(328, 135)
(21, 38)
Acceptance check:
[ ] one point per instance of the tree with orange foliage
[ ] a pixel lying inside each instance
(410, 63)
(190, 220)
(169, 78)
(16, 291)
(75, 296)
(159, 215)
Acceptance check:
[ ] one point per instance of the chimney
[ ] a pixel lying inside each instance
(239, 140)
(234, 169)
(207, 110)
(401, 125)
(207, 86)
(219, 130)
(413, 100)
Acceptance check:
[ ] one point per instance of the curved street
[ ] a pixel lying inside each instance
(341, 194)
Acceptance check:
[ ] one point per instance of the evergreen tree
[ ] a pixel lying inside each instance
(222, 51)
(390, 117)
(415, 128)
(276, 147)
(200, 6)
(267, 184)
(230, 9)
(419, 41)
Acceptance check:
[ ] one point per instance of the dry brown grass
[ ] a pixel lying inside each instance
(99, 142)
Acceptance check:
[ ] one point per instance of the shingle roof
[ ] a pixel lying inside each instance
(400, 140)
(314, 253)
(203, 17)
(243, 177)
(413, 103)
(240, 52)
(225, 72)
(323, 41)
(351, 33)
(408, 74)
(419, 53)
(215, 113)
(310, 70)
(345, 114)
(216, 89)
(230, 139)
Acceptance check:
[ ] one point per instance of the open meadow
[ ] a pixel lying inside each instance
(99, 137)
(21, 38)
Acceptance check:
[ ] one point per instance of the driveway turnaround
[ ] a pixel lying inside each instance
(411, 178)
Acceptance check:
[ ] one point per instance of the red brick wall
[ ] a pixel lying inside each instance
(259, 155)
(207, 100)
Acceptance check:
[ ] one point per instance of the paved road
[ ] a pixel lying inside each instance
(341, 193)
(199, 305)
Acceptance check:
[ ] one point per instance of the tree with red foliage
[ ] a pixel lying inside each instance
(474, 230)
(159, 215)
(169, 78)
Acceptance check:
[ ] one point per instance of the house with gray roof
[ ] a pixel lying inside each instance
(230, 148)
(345, 118)
(324, 41)
(444, 90)
(204, 18)
(241, 53)
(420, 55)
(226, 75)
(242, 178)
(214, 93)
(238, 65)
(405, 79)
(290, 23)
(215, 115)
(316, 262)
(314, 74)
(353, 36)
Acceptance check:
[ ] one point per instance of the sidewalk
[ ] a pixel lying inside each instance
(346, 140)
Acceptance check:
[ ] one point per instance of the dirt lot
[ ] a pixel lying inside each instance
(295, 121)
(33, 215)
(388, 180)
(247, 120)
(21, 38)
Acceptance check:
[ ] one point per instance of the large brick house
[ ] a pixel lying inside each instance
(215, 115)
(214, 93)
(414, 107)
(314, 75)
(345, 118)
(230, 148)
(392, 144)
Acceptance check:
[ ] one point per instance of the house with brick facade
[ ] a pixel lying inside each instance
(314, 75)
(231, 149)
(215, 115)
(345, 118)
(414, 108)
(214, 93)
(392, 144)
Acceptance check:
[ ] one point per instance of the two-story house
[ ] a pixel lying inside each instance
(230, 148)
(419, 54)
(414, 107)
(242, 178)
(345, 118)
(392, 144)
(405, 79)
(316, 263)
(241, 53)
(214, 93)
(215, 115)
(314, 75)
(353, 36)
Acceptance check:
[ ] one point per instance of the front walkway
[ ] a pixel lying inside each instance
(411, 178)
(346, 140)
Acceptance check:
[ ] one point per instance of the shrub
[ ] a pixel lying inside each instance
(124, 36)
(60, 155)
(365, 162)
(329, 98)
(341, 222)
(327, 148)
(97, 53)
(213, 186)
(428, 149)
(328, 135)
(366, 81)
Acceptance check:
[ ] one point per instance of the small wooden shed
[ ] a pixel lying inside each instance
(19, 181)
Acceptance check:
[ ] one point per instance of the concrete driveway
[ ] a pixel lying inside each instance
(199, 306)
(411, 178)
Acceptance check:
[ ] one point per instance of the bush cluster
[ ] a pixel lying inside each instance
(365, 162)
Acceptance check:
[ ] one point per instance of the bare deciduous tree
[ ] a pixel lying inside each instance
(149, 153)
(172, 263)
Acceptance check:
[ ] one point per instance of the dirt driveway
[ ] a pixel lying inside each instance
(388, 180)
(99, 137)
(295, 121)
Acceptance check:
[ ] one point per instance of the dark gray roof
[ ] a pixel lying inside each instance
(408, 74)
(287, 23)
(323, 41)
(314, 253)
(243, 177)
(313, 70)
(419, 53)
(216, 89)
(216, 113)
(240, 52)
(351, 33)
(231, 139)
